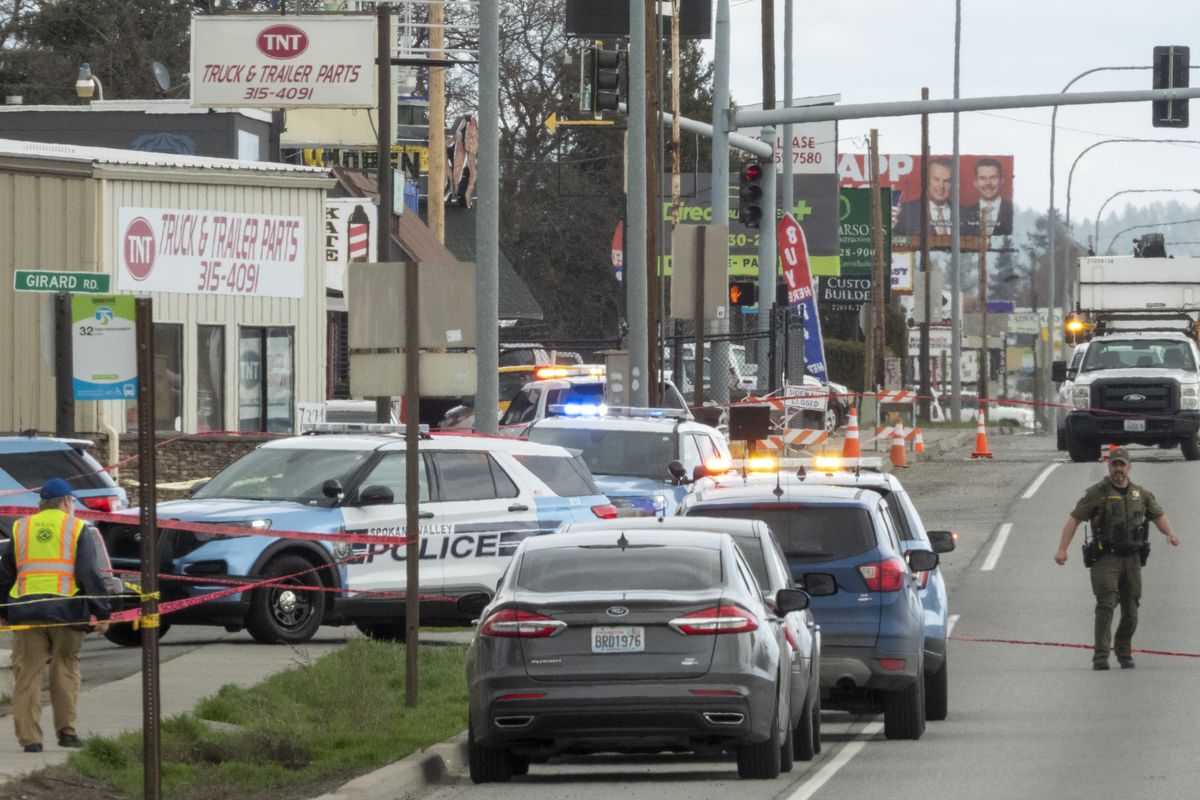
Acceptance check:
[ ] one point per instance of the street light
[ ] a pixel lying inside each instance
(1115, 195)
(1093, 146)
(87, 83)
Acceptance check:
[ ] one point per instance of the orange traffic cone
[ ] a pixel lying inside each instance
(850, 447)
(918, 442)
(981, 442)
(897, 453)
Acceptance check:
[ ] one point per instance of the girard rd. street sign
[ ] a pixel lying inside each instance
(29, 280)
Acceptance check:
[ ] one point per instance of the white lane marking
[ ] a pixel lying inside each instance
(1038, 481)
(997, 548)
(813, 784)
(950, 623)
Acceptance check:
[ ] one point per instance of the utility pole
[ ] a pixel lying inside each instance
(719, 381)
(768, 55)
(766, 240)
(437, 122)
(923, 348)
(636, 278)
(877, 289)
(653, 179)
(985, 357)
(383, 155)
(487, 223)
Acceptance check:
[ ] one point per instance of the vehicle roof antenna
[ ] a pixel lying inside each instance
(778, 490)
(622, 542)
(800, 473)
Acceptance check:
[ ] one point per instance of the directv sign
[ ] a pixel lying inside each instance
(598, 19)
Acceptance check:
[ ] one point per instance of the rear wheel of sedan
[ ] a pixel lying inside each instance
(760, 761)
(489, 764)
(804, 738)
(937, 694)
(287, 612)
(904, 712)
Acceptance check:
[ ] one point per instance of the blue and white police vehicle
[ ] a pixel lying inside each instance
(479, 497)
(630, 450)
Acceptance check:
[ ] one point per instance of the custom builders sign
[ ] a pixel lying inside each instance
(210, 252)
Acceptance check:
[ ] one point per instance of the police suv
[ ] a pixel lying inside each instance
(630, 450)
(479, 497)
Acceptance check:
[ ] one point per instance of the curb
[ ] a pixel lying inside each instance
(418, 770)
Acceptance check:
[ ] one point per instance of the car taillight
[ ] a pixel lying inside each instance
(883, 576)
(104, 502)
(922, 575)
(721, 619)
(512, 624)
(608, 511)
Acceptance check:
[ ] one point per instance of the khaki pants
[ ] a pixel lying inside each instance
(32, 650)
(1116, 580)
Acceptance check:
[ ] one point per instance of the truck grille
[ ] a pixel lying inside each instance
(1136, 397)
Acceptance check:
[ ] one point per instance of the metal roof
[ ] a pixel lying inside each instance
(106, 156)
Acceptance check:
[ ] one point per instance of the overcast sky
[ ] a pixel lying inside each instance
(873, 51)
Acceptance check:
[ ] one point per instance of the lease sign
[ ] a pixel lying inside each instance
(793, 253)
(210, 252)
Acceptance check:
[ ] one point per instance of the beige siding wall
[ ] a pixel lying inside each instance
(46, 222)
(305, 316)
(69, 223)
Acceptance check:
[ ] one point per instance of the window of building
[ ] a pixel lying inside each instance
(168, 381)
(266, 388)
(210, 378)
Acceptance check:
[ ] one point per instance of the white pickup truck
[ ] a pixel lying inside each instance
(1137, 380)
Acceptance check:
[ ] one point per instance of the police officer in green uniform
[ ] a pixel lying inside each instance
(1119, 512)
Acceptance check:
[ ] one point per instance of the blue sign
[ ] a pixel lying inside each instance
(1001, 306)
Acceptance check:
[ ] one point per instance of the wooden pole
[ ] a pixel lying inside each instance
(877, 289)
(437, 122)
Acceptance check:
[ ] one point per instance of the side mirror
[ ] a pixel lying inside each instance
(942, 541)
(678, 473)
(332, 489)
(376, 496)
(195, 487)
(820, 584)
(470, 605)
(922, 560)
(788, 600)
(1058, 371)
(699, 472)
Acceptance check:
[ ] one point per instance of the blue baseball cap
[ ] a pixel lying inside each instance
(56, 488)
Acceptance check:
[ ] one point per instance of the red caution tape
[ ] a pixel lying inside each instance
(1065, 644)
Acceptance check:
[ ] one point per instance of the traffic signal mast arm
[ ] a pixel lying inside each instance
(737, 141)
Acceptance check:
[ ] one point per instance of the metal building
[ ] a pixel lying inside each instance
(235, 363)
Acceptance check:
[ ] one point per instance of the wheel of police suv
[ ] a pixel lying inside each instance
(288, 612)
(125, 635)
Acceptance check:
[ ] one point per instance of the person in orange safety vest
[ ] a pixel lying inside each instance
(51, 578)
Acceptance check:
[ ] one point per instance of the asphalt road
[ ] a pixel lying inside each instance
(1026, 720)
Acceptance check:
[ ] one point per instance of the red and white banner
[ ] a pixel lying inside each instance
(793, 252)
(210, 252)
(261, 61)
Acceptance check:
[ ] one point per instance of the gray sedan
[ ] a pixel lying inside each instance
(629, 641)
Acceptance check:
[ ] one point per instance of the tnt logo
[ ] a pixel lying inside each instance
(282, 41)
(137, 249)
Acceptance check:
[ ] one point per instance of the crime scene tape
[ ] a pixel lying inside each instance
(226, 530)
(245, 584)
(1035, 643)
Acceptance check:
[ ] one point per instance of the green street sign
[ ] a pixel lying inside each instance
(31, 280)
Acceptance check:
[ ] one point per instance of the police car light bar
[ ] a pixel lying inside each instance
(602, 410)
(820, 464)
(359, 427)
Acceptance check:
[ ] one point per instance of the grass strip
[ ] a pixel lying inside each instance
(318, 724)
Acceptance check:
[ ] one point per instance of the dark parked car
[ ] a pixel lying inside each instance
(634, 641)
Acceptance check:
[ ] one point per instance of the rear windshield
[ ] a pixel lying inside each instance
(32, 469)
(818, 533)
(567, 476)
(636, 454)
(610, 568)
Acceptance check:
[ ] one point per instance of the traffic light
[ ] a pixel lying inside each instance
(750, 194)
(1171, 70)
(743, 293)
(606, 79)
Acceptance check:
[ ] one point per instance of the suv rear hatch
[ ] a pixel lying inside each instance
(837, 539)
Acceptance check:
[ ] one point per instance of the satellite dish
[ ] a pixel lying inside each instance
(161, 76)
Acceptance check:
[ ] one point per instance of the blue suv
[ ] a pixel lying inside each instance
(873, 639)
(28, 461)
